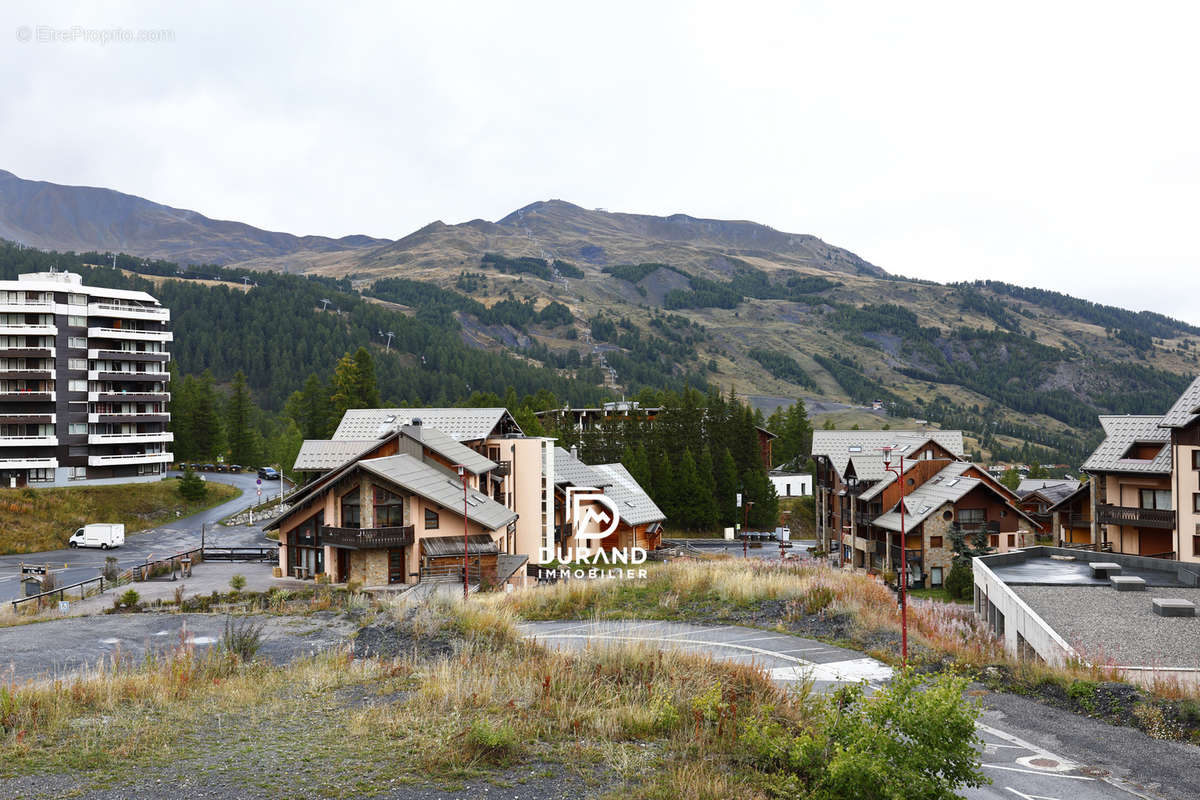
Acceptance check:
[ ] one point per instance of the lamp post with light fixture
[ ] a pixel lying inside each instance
(462, 474)
(903, 577)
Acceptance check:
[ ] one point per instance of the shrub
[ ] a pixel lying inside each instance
(237, 583)
(242, 638)
(191, 487)
(960, 583)
(128, 599)
(496, 744)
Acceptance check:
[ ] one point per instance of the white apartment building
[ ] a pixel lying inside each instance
(83, 383)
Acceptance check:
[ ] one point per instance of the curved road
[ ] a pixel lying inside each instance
(71, 566)
(1029, 751)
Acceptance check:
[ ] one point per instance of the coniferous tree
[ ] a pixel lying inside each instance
(207, 433)
(309, 407)
(243, 438)
(726, 482)
(704, 467)
(690, 500)
(663, 487)
(367, 388)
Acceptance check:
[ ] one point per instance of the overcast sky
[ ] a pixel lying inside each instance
(1054, 145)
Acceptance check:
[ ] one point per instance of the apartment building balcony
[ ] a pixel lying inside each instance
(26, 352)
(121, 416)
(26, 374)
(28, 307)
(28, 441)
(128, 334)
(22, 462)
(1075, 521)
(127, 375)
(1135, 517)
(118, 311)
(102, 354)
(10, 329)
(28, 419)
(130, 438)
(129, 397)
(26, 396)
(120, 459)
(367, 538)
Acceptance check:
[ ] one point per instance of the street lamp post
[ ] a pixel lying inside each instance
(746, 530)
(462, 474)
(903, 578)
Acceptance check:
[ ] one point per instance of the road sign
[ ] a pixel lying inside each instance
(31, 570)
(258, 481)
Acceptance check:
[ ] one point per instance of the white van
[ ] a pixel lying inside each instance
(99, 535)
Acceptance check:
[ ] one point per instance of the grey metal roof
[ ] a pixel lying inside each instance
(633, 504)
(449, 449)
(1121, 433)
(1052, 489)
(478, 544)
(420, 478)
(319, 455)
(1082, 488)
(888, 480)
(1186, 409)
(864, 448)
(948, 486)
(460, 424)
(569, 469)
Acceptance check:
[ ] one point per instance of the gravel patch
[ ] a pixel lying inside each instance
(1107, 625)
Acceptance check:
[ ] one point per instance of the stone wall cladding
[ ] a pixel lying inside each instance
(942, 556)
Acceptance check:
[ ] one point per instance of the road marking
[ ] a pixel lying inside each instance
(1030, 796)
(1061, 764)
(1039, 772)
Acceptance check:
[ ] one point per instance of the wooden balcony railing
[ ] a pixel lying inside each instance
(367, 538)
(1136, 517)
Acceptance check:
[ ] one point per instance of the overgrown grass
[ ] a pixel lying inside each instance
(33, 520)
(652, 724)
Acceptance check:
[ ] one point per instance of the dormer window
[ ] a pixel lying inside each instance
(1143, 451)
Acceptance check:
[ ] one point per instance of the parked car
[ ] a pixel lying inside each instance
(99, 535)
(268, 473)
(235, 467)
(222, 467)
(207, 468)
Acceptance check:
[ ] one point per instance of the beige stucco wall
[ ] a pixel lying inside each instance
(1124, 490)
(523, 491)
(1185, 484)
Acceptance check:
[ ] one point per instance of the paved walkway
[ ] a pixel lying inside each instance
(1018, 764)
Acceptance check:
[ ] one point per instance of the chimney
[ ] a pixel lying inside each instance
(416, 421)
(575, 451)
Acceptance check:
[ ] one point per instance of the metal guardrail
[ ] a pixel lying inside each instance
(450, 573)
(240, 553)
(60, 592)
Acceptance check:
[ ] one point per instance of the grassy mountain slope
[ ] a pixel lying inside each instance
(626, 301)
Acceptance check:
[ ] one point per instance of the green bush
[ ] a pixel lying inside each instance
(960, 583)
(242, 638)
(496, 744)
(913, 739)
(129, 599)
(237, 583)
(191, 487)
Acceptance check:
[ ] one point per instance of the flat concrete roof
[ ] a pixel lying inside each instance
(1118, 628)
(1043, 571)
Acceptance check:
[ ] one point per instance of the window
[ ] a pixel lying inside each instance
(1155, 498)
(395, 566)
(77, 322)
(77, 428)
(77, 299)
(77, 473)
(77, 363)
(1196, 545)
(1196, 459)
(389, 509)
(41, 475)
(77, 386)
(936, 541)
(431, 519)
(1012, 540)
(77, 342)
(971, 517)
(935, 576)
(947, 515)
(351, 516)
(1196, 502)
(994, 540)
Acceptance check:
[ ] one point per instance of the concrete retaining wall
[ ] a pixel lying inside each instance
(1022, 630)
